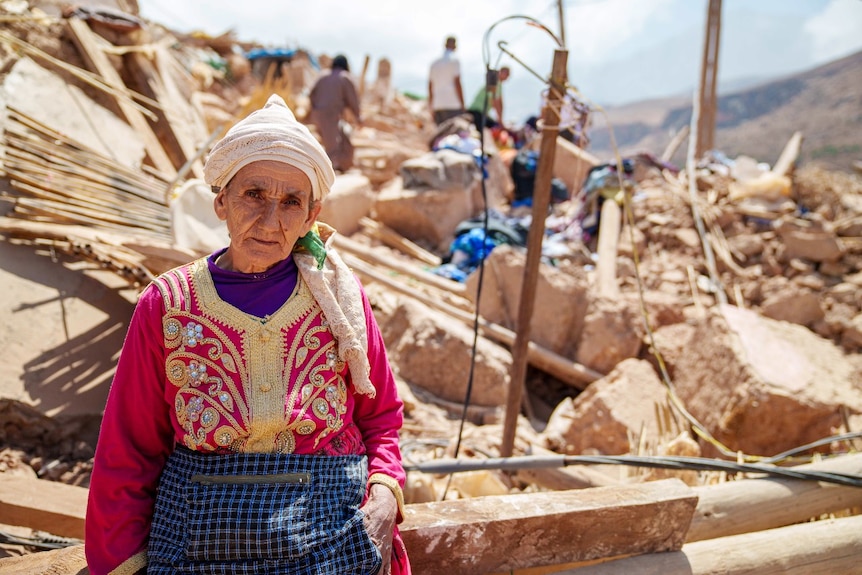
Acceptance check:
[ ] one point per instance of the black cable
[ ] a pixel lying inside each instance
(657, 462)
(40, 541)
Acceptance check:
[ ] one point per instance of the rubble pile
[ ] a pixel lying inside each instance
(740, 301)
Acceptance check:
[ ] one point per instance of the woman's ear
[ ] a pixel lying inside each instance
(219, 205)
(312, 216)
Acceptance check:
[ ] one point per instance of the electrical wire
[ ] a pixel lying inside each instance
(656, 462)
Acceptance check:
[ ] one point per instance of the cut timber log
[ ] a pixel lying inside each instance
(823, 547)
(395, 240)
(42, 505)
(88, 44)
(501, 533)
(361, 251)
(751, 505)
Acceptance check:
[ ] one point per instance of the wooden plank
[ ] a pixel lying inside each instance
(609, 237)
(42, 505)
(88, 44)
(827, 547)
(790, 153)
(413, 271)
(502, 533)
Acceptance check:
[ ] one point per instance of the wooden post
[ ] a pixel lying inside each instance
(541, 201)
(708, 80)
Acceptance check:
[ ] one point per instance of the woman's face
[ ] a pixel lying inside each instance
(267, 207)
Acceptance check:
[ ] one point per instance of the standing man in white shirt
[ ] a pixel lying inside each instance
(445, 97)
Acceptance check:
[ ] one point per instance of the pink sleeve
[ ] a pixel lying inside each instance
(135, 440)
(380, 418)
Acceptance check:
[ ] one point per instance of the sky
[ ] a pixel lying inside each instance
(618, 51)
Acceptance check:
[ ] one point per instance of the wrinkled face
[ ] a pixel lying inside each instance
(267, 207)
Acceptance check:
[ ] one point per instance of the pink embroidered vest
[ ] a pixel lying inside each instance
(249, 384)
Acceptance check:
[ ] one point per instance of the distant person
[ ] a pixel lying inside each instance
(445, 96)
(330, 97)
(489, 99)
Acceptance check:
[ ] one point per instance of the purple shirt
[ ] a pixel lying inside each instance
(259, 294)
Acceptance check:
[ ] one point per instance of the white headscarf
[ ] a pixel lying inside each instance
(271, 133)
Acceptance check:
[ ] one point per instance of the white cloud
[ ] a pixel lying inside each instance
(837, 30)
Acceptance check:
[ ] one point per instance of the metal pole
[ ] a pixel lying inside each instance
(541, 201)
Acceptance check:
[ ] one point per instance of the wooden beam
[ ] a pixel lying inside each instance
(748, 505)
(43, 505)
(87, 42)
(353, 247)
(395, 240)
(824, 547)
(502, 533)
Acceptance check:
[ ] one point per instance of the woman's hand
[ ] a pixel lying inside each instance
(381, 510)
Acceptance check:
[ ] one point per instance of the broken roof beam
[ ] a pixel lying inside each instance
(509, 532)
(87, 42)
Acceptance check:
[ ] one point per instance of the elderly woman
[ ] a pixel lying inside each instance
(252, 424)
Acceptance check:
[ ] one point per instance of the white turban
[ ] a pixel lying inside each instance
(271, 133)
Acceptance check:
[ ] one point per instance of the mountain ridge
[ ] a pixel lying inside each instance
(824, 103)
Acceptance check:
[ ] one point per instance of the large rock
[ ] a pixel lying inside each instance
(433, 351)
(440, 170)
(613, 331)
(608, 412)
(559, 308)
(349, 200)
(812, 241)
(763, 386)
(427, 217)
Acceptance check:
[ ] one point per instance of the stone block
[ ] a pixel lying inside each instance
(762, 386)
(610, 410)
(349, 200)
(559, 308)
(427, 217)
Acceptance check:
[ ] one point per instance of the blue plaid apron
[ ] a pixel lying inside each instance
(260, 514)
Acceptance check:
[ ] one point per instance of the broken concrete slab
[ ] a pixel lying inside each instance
(427, 217)
(560, 305)
(612, 332)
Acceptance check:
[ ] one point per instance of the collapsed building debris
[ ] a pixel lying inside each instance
(624, 331)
